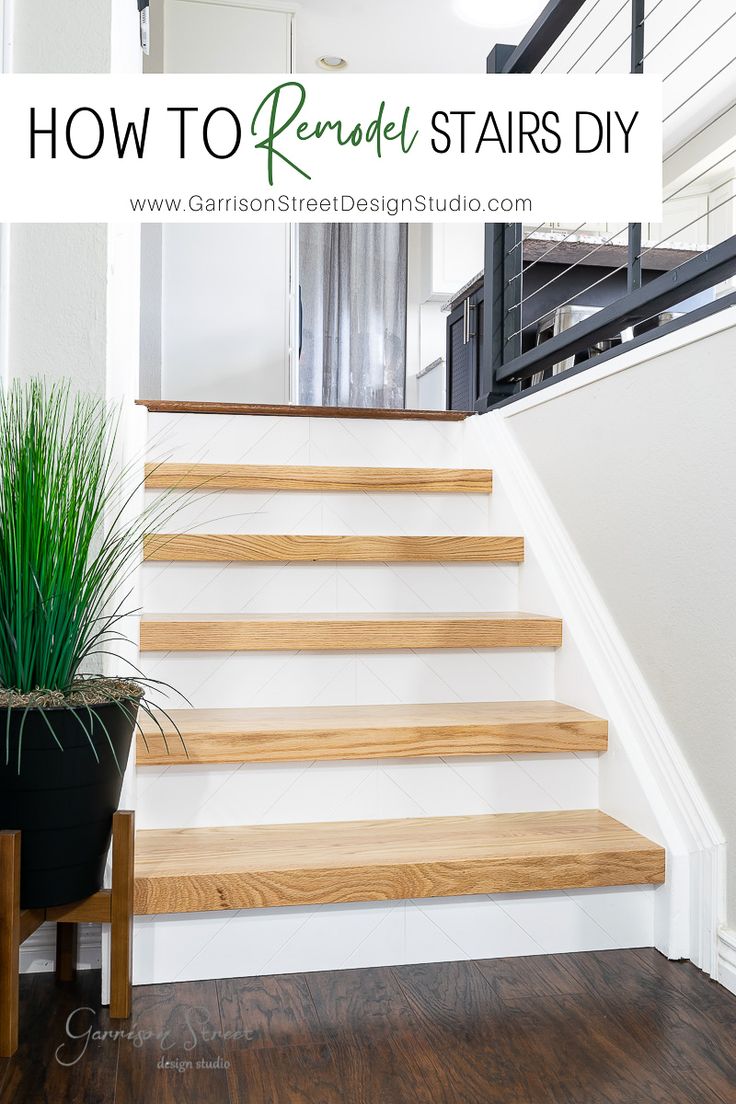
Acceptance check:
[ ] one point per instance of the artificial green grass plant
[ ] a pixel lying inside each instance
(69, 539)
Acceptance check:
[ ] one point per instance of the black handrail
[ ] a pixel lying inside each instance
(669, 289)
(543, 34)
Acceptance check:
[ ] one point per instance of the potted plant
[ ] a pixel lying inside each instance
(69, 538)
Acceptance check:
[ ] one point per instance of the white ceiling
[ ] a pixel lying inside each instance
(408, 36)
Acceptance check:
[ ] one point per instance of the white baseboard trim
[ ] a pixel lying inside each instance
(692, 907)
(727, 959)
(38, 954)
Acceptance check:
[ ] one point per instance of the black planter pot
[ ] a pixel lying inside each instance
(63, 800)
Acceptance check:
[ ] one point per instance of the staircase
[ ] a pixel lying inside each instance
(373, 768)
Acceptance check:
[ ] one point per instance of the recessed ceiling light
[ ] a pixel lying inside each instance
(493, 13)
(331, 62)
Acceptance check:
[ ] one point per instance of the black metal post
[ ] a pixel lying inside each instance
(638, 16)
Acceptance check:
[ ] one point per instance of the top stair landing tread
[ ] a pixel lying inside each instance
(274, 477)
(291, 410)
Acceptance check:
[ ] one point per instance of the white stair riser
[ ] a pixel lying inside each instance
(249, 943)
(328, 587)
(223, 680)
(296, 793)
(243, 439)
(317, 513)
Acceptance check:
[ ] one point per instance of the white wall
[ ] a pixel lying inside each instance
(218, 325)
(70, 285)
(225, 318)
(641, 468)
(73, 37)
(58, 303)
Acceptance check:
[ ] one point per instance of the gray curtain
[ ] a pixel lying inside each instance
(353, 287)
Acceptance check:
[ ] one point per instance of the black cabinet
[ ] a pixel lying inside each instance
(465, 350)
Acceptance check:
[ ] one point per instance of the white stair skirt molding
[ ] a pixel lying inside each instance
(727, 959)
(249, 943)
(691, 907)
(38, 953)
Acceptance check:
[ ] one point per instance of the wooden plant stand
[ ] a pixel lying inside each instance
(110, 906)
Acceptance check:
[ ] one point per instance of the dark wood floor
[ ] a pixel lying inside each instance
(619, 1026)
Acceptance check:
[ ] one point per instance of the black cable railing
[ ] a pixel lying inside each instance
(650, 285)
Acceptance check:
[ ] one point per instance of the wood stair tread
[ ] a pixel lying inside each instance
(346, 631)
(206, 869)
(273, 477)
(367, 732)
(257, 548)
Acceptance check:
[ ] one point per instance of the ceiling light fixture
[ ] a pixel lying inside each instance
(331, 62)
(493, 13)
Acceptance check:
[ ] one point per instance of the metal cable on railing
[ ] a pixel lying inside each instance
(699, 90)
(730, 156)
(674, 276)
(700, 47)
(567, 302)
(699, 218)
(556, 245)
(591, 44)
(527, 238)
(674, 27)
(659, 42)
(627, 38)
(570, 268)
(572, 35)
(622, 268)
(716, 119)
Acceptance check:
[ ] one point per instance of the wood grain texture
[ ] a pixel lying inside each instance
(186, 1028)
(96, 909)
(345, 632)
(270, 410)
(612, 1027)
(246, 548)
(261, 866)
(36, 1074)
(460, 1015)
(367, 732)
(272, 477)
(121, 909)
(9, 940)
(380, 1050)
(30, 921)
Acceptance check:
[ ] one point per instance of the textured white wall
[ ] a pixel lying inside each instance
(57, 302)
(62, 304)
(73, 37)
(641, 468)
